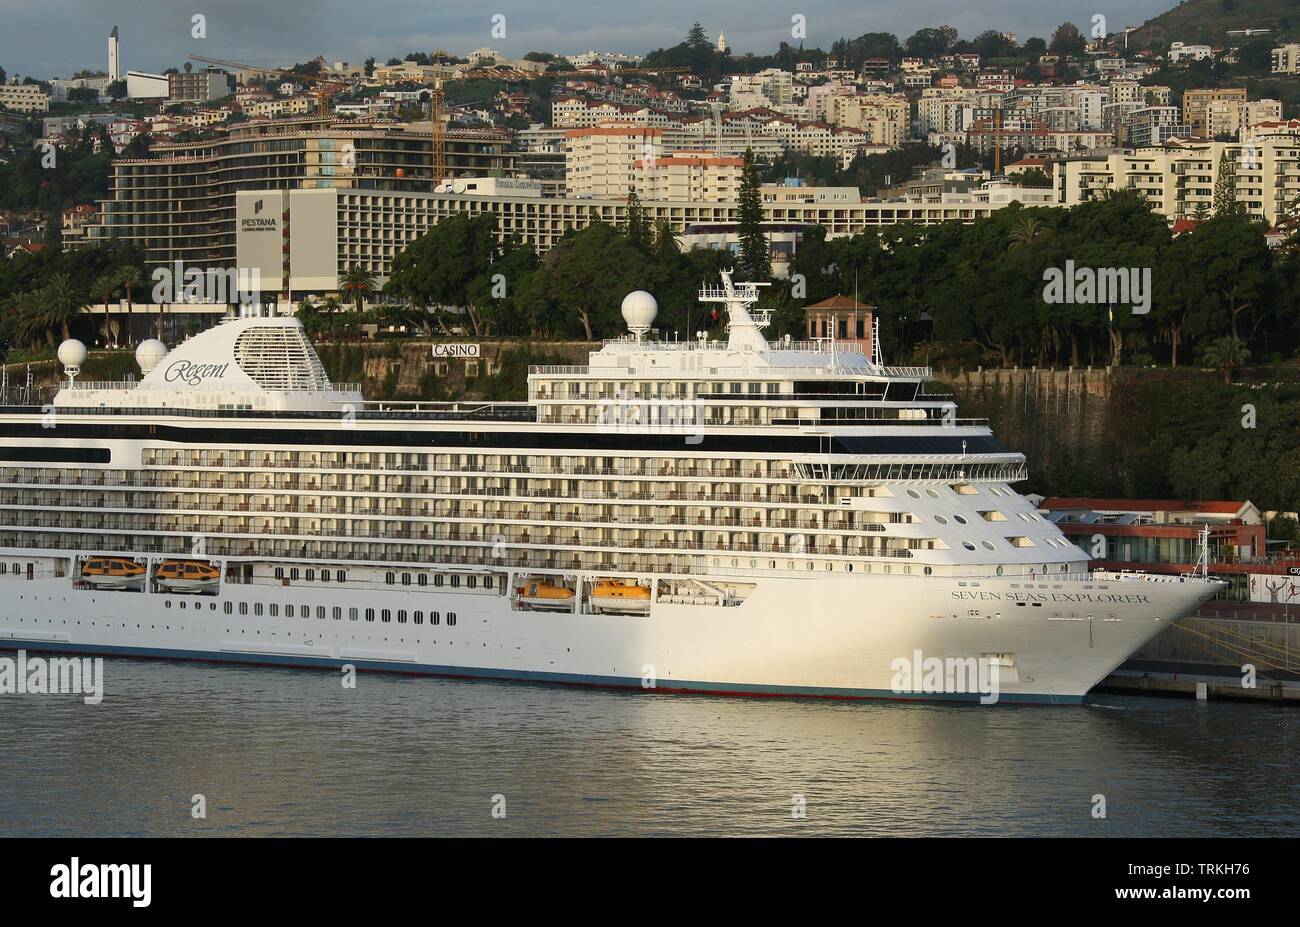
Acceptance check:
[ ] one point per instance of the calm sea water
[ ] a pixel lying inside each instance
(290, 752)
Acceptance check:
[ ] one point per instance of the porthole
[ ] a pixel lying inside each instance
(385, 616)
(337, 613)
(275, 610)
(168, 603)
(370, 614)
(401, 616)
(434, 618)
(941, 520)
(888, 568)
(914, 494)
(352, 614)
(417, 617)
(907, 569)
(866, 568)
(960, 519)
(933, 494)
(848, 568)
(988, 545)
(228, 608)
(288, 611)
(968, 545)
(1000, 570)
(257, 609)
(451, 619)
(320, 612)
(928, 571)
(243, 608)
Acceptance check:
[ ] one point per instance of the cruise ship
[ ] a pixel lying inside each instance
(711, 515)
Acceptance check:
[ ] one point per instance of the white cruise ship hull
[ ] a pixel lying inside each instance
(833, 636)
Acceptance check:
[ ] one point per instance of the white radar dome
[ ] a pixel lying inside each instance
(639, 311)
(72, 353)
(149, 354)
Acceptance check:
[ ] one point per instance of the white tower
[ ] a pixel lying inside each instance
(723, 47)
(113, 71)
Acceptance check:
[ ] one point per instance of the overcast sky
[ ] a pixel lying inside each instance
(52, 38)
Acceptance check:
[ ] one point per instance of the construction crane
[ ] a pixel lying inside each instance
(438, 131)
(325, 88)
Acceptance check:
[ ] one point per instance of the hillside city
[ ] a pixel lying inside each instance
(472, 193)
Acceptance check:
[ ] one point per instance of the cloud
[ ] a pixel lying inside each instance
(50, 38)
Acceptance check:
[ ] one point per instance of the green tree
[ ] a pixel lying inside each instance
(1225, 188)
(63, 303)
(755, 257)
(357, 284)
(1226, 354)
(637, 227)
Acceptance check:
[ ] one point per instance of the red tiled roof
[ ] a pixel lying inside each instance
(839, 301)
(1057, 503)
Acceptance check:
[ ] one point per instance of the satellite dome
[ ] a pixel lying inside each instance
(639, 311)
(149, 354)
(72, 353)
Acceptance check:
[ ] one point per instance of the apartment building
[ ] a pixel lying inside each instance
(689, 176)
(883, 120)
(180, 203)
(1179, 178)
(1148, 126)
(1229, 117)
(197, 87)
(1286, 59)
(24, 98)
(601, 161)
(1196, 104)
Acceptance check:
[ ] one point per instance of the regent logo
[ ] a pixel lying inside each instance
(192, 374)
(88, 880)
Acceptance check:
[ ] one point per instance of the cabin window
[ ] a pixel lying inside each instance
(390, 578)
(257, 609)
(422, 579)
(385, 616)
(320, 612)
(406, 579)
(352, 614)
(311, 576)
(338, 613)
(434, 618)
(417, 617)
(275, 611)
(243, 608)
(288, 611)
(401, 616)
(370, 614)
(451, 619)
(228, 608)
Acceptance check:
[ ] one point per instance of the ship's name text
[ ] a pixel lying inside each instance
(1133, 598)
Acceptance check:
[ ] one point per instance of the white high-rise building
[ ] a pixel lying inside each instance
(113, 72)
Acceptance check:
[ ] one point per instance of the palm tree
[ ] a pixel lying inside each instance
(29, 326)
(358, 283)
(63, 303)
(105, 286)
(1027, 231)
(128, 278)
(331, 305)
(1226, 354)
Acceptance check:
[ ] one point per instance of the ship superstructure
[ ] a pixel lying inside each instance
(732, 515)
